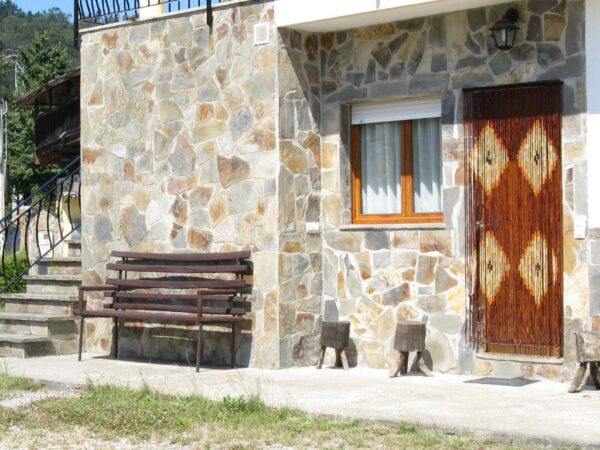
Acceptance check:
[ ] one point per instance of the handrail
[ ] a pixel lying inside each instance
(40, 189)
(21, 251)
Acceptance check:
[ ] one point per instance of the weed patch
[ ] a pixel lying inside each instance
(113, 412)
(10, 384)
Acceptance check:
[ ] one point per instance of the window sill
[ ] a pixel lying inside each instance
(394, 227)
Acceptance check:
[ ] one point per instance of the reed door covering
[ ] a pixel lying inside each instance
(514, 218)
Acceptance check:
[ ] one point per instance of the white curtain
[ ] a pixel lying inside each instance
(380, 168)
(427, 165)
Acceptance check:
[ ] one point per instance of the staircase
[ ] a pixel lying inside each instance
(40, 254)
(40, 321)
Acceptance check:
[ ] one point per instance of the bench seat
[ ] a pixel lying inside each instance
(191, 288)
(158, 316)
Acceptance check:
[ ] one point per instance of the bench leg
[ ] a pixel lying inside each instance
(344, 359)
(233, 345)
(404, 368)
(199, 348)
(422, 366)
(116, 337)
(595, 373)
(578, 378)
(81, 323)
(321, 357)
(398, 368)
(338, 358)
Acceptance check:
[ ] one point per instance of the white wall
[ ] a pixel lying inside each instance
(331, 15)
(151, 11)
(592, 53)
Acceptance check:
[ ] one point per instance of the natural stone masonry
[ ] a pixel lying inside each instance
(193, 141)
(374, 277)
(179, 153)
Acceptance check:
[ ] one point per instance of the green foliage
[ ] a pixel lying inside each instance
(9, 383)
(18, 28)
(242, 422)
(42, 42)
(42, 61)
(14, 270)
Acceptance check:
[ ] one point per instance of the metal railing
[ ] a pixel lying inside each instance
(34, 228)
(59, 125)
(109, 11)
(102, 12)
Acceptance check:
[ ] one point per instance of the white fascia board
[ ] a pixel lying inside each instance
(332, 15)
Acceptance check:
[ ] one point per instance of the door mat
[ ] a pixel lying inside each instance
(511, 382)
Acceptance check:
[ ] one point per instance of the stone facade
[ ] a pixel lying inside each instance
(374, 276)
(179, 153)
(194, 141)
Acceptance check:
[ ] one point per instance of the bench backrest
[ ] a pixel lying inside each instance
(170, 282)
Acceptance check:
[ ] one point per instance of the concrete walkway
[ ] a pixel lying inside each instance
(541, 410)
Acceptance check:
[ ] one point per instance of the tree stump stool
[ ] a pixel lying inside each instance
(588, 353)
(337, 336)
(410, 337)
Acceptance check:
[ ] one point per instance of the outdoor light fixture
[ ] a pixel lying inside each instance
(505, 30)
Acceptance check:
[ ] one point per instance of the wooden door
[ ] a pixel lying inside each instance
(514, 220)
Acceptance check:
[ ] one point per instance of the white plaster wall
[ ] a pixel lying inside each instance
(592, 50)
(331, 15)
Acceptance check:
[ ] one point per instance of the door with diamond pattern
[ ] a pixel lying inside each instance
(514, 224)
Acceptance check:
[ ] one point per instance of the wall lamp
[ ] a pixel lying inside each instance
(505, 30)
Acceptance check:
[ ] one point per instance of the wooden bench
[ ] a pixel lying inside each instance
(193, 288)
(588, 353)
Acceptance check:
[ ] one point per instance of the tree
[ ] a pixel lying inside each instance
(17, 29)
(41, 63)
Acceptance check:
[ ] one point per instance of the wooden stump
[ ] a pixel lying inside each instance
(588, 353)
(410, 337)
(337, 336)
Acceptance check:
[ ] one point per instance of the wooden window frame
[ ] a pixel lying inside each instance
(406, 214)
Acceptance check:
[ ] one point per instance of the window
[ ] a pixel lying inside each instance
(397, 162)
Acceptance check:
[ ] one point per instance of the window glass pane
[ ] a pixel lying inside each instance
(427, 165)
(380, 168)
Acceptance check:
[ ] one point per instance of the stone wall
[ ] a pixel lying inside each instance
(374, 276)
(300, 273)
(194, 141)
(179, 153)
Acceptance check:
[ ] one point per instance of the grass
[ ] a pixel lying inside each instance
(10, 384)
(110, 413)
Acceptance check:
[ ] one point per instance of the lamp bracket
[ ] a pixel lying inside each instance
(512, 14)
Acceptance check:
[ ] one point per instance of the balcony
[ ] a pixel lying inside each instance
(332, 15)
(57, 131)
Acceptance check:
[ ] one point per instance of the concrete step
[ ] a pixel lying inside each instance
(54, 326)
(58, 305)
(68, 265)
(27, 345)
(53, 284)
(516, 366)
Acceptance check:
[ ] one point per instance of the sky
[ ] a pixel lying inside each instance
(40, 5)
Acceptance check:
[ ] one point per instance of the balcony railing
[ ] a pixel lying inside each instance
(102, 12)
(59, 126)
(110, 11)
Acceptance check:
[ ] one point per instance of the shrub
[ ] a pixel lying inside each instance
(14, 270)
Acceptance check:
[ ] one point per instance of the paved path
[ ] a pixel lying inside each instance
(542, 410)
